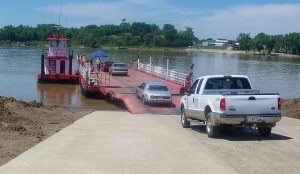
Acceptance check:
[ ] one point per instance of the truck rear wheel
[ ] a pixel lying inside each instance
(264, 131)
(211, 129)
(184, 122)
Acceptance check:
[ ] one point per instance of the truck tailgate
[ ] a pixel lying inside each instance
(251, 104)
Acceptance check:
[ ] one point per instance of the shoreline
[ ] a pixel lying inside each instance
(131, 48)
(236, 52)
(174, 49)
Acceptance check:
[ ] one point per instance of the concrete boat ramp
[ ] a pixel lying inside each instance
(117, 142)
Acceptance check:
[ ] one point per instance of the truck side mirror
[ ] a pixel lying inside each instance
(184, 92)
(188, 93)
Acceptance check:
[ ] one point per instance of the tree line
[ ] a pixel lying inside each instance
(125, 34)
(288, 43)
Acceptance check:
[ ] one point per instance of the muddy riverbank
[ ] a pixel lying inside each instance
(24, 124)
(291, 108)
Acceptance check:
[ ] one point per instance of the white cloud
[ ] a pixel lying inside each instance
(228, 23)
(102, 11)
(112, 12)
(149, 3)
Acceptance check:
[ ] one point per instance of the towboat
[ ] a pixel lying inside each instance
(56, 62)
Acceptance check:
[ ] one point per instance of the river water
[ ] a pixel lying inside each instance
(19, 66)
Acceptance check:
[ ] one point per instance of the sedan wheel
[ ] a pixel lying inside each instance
(144, 101)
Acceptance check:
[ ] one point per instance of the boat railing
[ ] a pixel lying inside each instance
(92, 76)
(99, 79)
(161, 72)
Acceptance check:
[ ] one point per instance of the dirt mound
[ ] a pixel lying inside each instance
(5, 100)
(33, 104)
(24, 124)
(291, 108)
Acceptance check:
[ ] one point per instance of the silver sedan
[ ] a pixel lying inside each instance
(118, 69)
(154, 92)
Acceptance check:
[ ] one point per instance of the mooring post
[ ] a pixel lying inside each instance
(138, 64)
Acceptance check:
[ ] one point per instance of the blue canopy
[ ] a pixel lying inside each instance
(98, 54)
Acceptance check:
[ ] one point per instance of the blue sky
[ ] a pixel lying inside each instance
(208, 18)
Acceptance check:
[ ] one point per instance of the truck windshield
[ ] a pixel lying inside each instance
(227, 83)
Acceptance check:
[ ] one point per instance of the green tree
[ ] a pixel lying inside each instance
(261, 41)
(170, 34)
(125, 34)
(245, 41)
(279, 43)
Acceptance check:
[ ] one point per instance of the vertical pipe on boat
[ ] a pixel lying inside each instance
(167, 64)
(70, 62)
(167, 74)
(150, 63)
(43, 64)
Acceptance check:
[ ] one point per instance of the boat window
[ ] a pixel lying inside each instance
(56, 44)
(51, 44)
(62, 44)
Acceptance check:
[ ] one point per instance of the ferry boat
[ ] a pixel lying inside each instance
(56, 61)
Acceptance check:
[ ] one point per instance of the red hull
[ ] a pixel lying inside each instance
(58, 78)
(89, 88)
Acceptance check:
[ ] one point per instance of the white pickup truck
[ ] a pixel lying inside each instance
(229, 100)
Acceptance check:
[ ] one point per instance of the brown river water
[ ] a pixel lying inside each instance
(19, 66)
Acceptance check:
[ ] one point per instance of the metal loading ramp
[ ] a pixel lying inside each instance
(123, 88)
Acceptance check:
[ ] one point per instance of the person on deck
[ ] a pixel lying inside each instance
(188, 81)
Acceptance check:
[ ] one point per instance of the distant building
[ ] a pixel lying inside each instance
(221, 42)
(208, 42)
(218, 42)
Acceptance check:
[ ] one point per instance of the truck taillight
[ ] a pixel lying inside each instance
(279, 103)
(222, 104)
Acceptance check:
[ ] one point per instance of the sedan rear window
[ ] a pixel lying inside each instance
(120, 65)
(157, 88)
(227, 83)
(108, 63)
